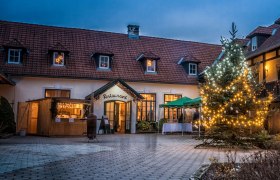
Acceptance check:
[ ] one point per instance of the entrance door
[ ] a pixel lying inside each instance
(119, 115)
(32, 123)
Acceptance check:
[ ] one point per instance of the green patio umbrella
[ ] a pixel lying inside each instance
(179, 103)
(193, 102)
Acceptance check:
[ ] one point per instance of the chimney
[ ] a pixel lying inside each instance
(133, 31)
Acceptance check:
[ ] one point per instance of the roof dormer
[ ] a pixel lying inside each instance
(190, 64)
(149, 62)
(58, 55)
(103, 59)
(15, 52)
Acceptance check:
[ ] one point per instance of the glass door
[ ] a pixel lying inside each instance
(110, 112)
(128, 117)
(119, 115)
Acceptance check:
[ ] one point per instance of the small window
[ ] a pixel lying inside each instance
(57, 93)
(193, 69)
(14, 56)
(58, 59)
(104, 62)
(151, 65)
(254, 43)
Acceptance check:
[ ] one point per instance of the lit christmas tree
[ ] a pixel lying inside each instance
(230, 107)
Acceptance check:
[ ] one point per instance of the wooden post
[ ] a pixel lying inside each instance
(92, 103)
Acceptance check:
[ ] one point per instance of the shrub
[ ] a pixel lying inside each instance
(259, 165)
(7, 120)
(144, 125)
(263, 140)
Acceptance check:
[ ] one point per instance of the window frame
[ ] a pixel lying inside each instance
(59, 65)
(68, 90)
(154, 66)
(99, 62)
(191, 64)
(164, 109)
(141, 105)
(254, 43)
(18, 57)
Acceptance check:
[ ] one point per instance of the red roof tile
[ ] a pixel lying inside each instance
(272, 42)
(82, 43)
(263, 30)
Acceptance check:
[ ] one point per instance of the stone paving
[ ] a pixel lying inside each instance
(145, 156)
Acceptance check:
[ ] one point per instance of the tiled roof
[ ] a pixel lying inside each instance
(147, 55)
(58, 47)
(242, 42)
(263, 30)
(5, 80)
(270, 43)
(83, 43)
(191, 58)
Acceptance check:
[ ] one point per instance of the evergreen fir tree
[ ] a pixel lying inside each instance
(230, 107)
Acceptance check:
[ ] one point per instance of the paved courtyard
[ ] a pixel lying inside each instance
(147, 156)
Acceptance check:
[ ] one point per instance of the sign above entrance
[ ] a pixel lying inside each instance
(116, 94)
(109, 96)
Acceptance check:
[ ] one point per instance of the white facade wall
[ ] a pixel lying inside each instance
(31, 88)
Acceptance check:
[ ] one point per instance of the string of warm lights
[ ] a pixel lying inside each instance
(229, 95)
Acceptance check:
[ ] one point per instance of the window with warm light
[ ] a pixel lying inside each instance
(172, 113)
(151, 65)
(58, 59)
(104, 62)
(14, 56)
(146, 109)
(57, 93)
(192, 69)
(70, 110)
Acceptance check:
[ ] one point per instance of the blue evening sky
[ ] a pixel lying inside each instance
(195, 20)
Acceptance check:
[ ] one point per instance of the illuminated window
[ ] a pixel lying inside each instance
(254, 43)
(58, 59)
(57, 93)
(151, 65)
(104, 62)
(70, 110)
(14, 56)
(146, 109)
(172, 113)
(192, 69)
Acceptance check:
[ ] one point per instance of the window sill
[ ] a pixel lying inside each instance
(151, 73)
(54, 66)
(101, 69)
(14, 64)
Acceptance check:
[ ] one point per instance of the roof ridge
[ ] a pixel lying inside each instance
(84, 29)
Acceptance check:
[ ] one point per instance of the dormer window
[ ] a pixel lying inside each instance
(151, 65)
(14, 56)
(58, 59)
(104, 62)
(192, 69)
(149, 62)
(190, 64)
(254, 44)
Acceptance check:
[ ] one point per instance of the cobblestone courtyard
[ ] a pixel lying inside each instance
(148, 156)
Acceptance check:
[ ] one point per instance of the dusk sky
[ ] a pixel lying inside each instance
(194, 20)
